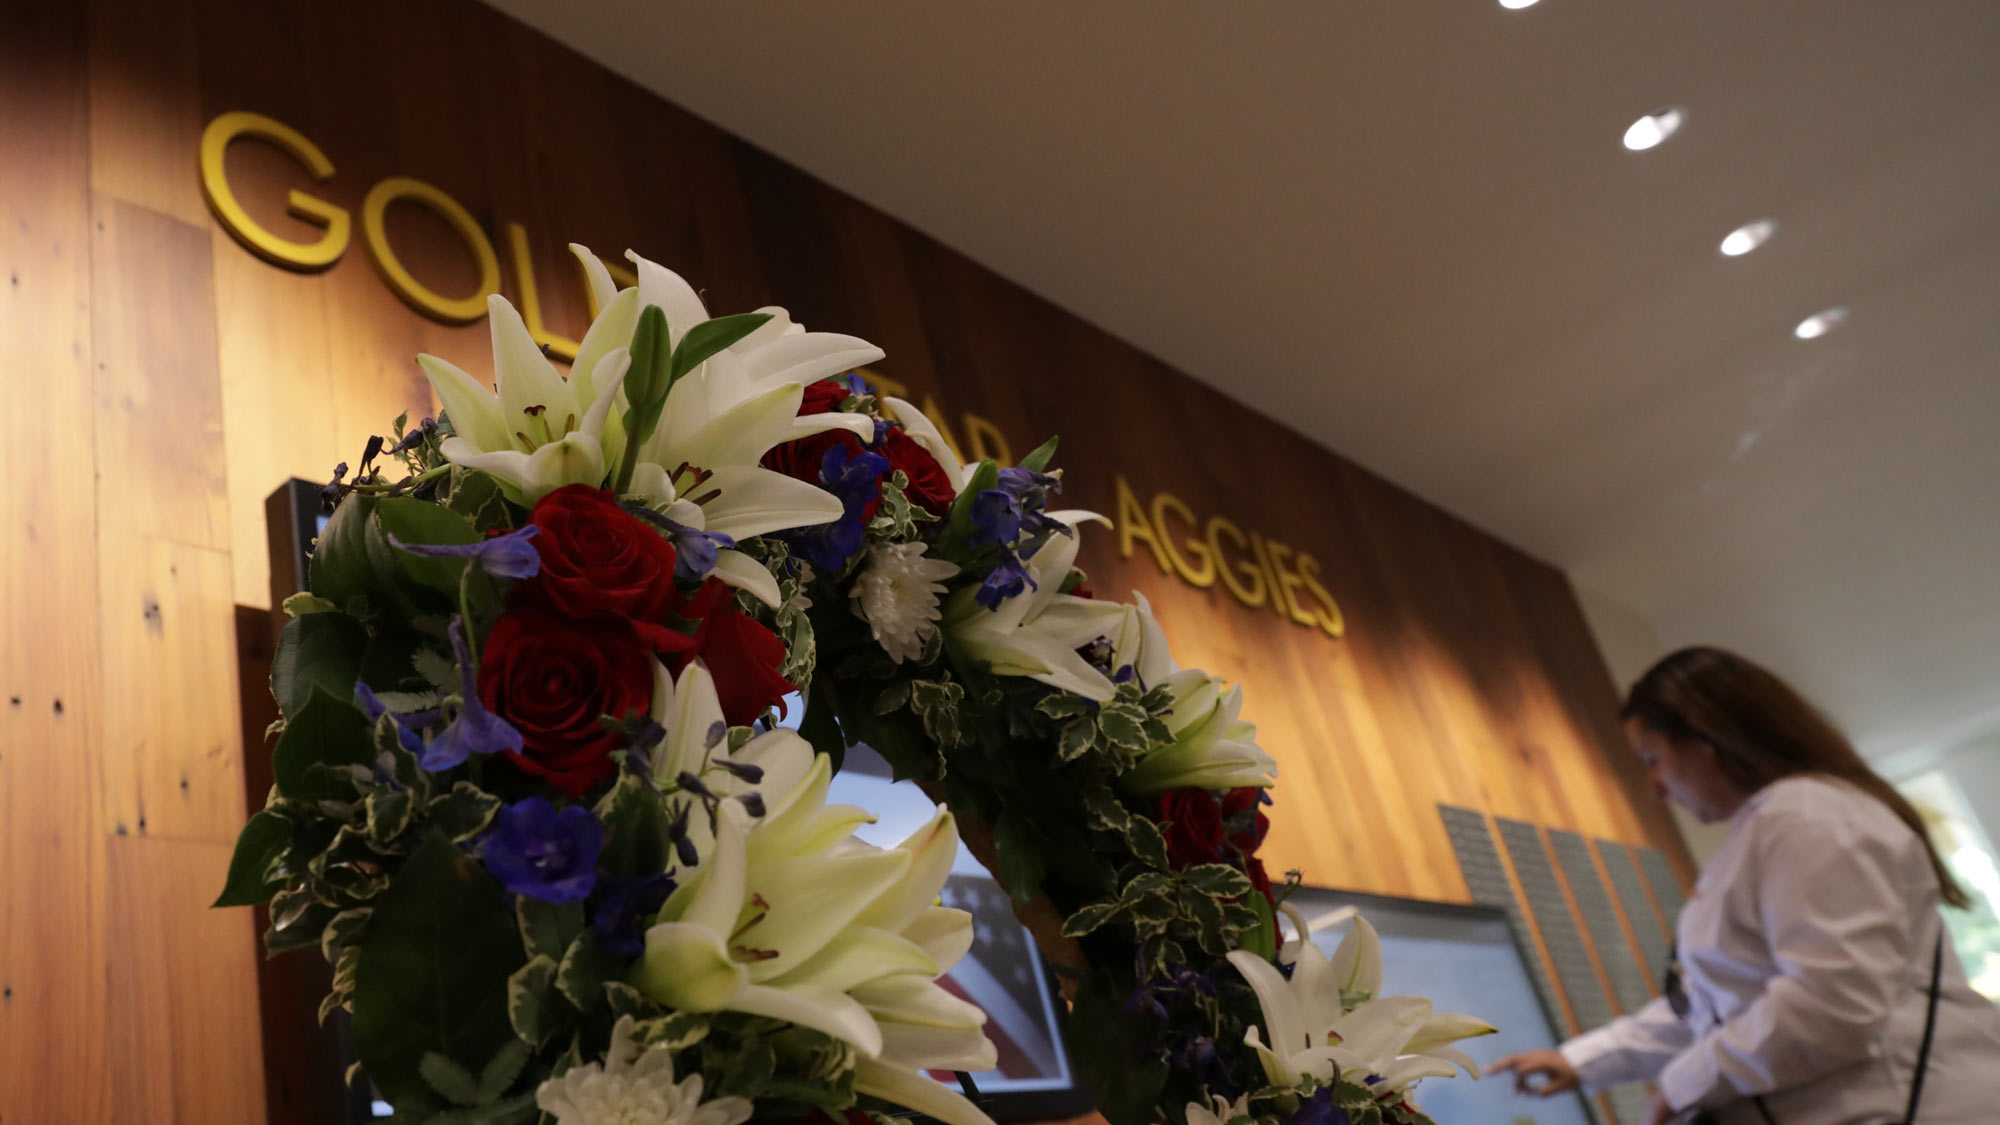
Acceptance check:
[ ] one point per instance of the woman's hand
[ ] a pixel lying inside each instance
(1541, 1073)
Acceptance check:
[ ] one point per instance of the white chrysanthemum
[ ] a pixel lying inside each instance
(897, 595)
(634, 1086)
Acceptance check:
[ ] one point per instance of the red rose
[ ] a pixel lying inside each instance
(824, 396)
(601, 561)
(552, 679)
(744, 657)
(803, 459)
(929, 489)
(1193, 827)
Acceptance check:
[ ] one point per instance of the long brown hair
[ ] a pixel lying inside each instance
(1762, 730)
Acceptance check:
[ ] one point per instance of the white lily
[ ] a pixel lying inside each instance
(540, 431)
(1212, 747)
(701, 464)
(1326, 1021)
(926, 433)
(1142, 644)
(789, 916)
(1037, 633)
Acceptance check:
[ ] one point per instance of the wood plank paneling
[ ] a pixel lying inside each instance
(278, 395)
(52, 886)
(172, 745)
(159, 402)
(183, 1030)
(145, 107)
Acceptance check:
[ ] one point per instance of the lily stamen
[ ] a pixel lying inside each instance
(763, 910)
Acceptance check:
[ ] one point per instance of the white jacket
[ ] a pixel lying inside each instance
(1806, 956)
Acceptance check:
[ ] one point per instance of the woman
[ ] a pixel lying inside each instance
(1810, 950)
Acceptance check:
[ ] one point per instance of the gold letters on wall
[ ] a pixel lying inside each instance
(1255, 570)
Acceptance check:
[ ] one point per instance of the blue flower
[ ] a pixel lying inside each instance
(1319, 1110)
(855, 384)
(503, 556)
(541, 852)
(694, 549)
(852, 477)
(1008, 579)
(623, 907)
(996, 518)
(408, 727)
(476, 730)
(855, 478)
(1027, 483)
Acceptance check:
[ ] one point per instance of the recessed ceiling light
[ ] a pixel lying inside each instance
(1820, 323)
(1519, 3)
(1748, 237)
(1654, 128)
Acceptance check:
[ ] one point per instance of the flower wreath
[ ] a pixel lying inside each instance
(532, 805)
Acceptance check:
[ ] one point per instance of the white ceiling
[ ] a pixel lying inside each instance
(1407, 228)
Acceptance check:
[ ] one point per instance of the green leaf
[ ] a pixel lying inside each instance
(937, 704)
(478, 498)
(343, 930)
(711, 336)
(340, 568)
(1101, 1034)
(437, 669)
(420, 523)
(448, 1078)
(635, 823)
(325, 732)
(1219, 880)
(984, 476)
(1123, 726)
(547, 929)
(1089, 918)
(821, 727)
(464, 812)
(262, 843)
(1022, 867)
(302, 603)
(1077, 739)
(584, 970)
(894, 698)
(1063, 705)
(1153, 885)
(407, 702)
(628, 1001)
(388, 813)
(1106, 810)
(1038, 461)
(433, 974)
(1207, 914)
(319, 650)
(647, 381)
(1263, 940)
(502, 1069)
(1146, 842)
(297, 918)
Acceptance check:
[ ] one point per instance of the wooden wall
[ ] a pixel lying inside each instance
(161, 381)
